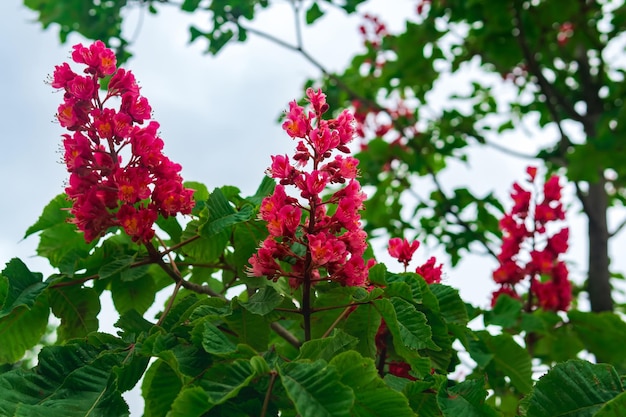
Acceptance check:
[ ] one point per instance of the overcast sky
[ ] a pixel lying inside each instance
(217, 115)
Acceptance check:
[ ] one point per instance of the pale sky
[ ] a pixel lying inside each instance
(217, 115)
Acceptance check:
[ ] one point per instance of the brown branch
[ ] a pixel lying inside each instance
(157, 257)
(535, 69)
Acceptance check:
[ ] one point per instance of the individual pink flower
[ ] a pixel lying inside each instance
(82, 88)
(297, 124)
(402, 250)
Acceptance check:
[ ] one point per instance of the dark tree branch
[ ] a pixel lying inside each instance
(535, 69)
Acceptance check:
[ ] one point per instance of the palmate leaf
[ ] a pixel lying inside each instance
(328, 347)
(422, 395)
(575, 388)
(251, 329)
(24, 313)
(78, 310)
(373, 398)
(23, 287)
(466, 399)
(222, 215)
(246, 239)
(603, 334)
(133, 295)
(159, 388)
(115, 267)
(23, 329)
(72, 380)
(451, 305)
(263, 301)
(509, 358)
(363, 323)
(613, 408)
(407, 325)
(54, 213)
(218, 384)
(214, 341)
(316, 390)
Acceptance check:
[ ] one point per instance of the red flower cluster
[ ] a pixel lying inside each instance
(104, 191)
(524, 230)
(326, 247)
(403, 251)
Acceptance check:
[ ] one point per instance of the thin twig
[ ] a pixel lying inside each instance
(343, 315)
(170, 303)
(266, 401)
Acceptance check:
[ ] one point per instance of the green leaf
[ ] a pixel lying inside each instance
(171, 227)
(24, 287)
(223, 381)
(222, 215)
(214, 341)
(134, 273)
(422, 395)
(452, 307)
(115, 267)
(316, 390)
(574, 388)
(201, 192)
(23, 329)
(266, 188)
(250, 328)
(406, 323)
(159, 388)
(133, 322)
(373, 398)
(246, 239)
(64, 247)
(328, 347)
(603, 334)
(505, 313)
(466, 399)
(614, 407)
(510, 358)
(54, 213)
(207, 249)
(133, 295)
(263, 301)
(363, 323)
(377, 274)
(190, 402)
(190, 5)
(78, 309)
(74, 380)
(313, 13)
